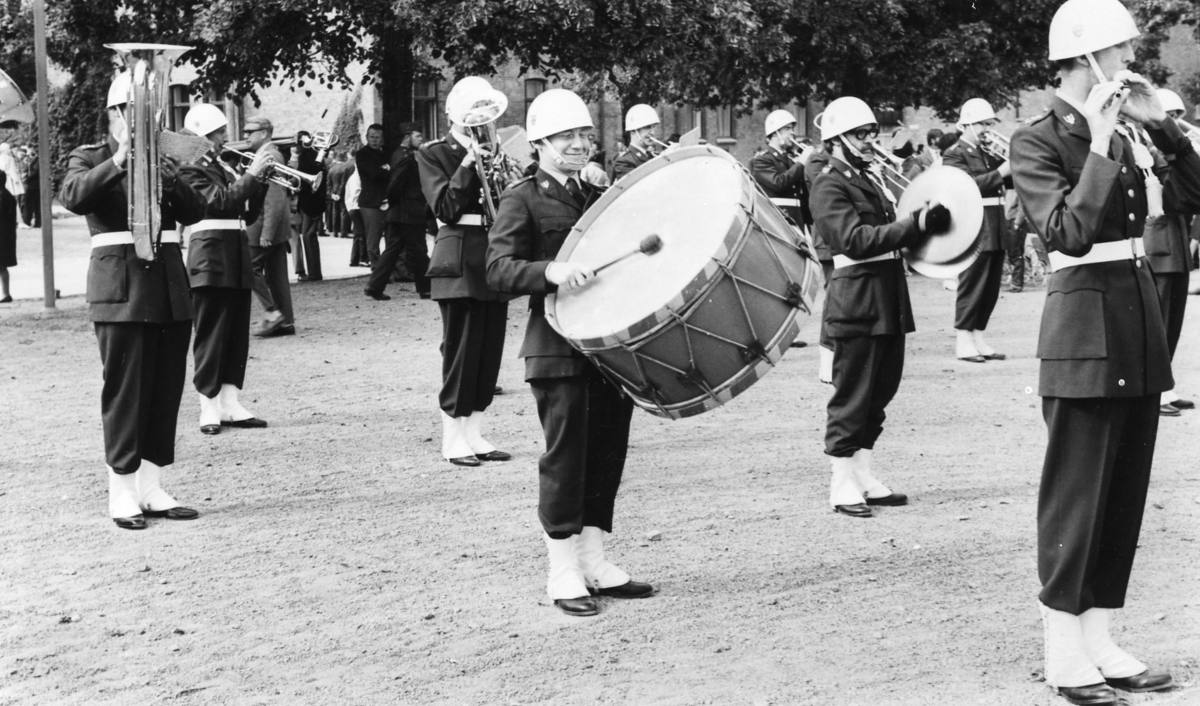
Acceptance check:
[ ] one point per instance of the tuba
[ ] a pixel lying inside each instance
(480, 121)
(145, 117)
(14, 106)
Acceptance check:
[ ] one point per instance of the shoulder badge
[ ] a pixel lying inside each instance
(545, 183)
(849, 174)
(827, 169)
(1069, 118)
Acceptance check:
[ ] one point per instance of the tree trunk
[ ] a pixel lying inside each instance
(395, 83)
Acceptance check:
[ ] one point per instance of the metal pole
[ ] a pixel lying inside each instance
(43, 115)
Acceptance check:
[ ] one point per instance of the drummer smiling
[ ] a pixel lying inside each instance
(584, 417)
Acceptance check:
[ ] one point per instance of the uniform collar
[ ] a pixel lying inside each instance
(549, 185)
(1071, 115)
(462, 140)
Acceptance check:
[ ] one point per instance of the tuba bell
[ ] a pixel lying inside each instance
(145, 116)
(14, 106)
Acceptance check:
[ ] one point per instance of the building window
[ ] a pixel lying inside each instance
(687, 118)
(425, 107)
(534, 87)
(724, 123)
(181, 102)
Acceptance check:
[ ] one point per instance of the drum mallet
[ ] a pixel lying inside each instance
(650, 245)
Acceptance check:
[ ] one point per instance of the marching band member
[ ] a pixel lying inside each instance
(1168, 254)
(1084, 180)
(142, 315)
(979, 284)
(780, 172)
(642, 124)
(816, 163)
(585, 418)
(473, 316)
(220, 268)
(867, 308)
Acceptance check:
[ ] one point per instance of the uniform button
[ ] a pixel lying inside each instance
(1121, 383)
(1131, 192)
(1137, 263)
(1132, 217)
(1124, 170)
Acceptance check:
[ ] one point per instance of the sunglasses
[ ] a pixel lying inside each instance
(864, 133)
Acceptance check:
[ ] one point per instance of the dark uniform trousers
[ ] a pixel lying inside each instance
(145, 366)
(1168, 254)
(222, 338)
(141, 310)
(585, 418)
(1172, 297)
(474, 317)
(867, 310)
(1103, 350)
(311, 243)
(979, 284)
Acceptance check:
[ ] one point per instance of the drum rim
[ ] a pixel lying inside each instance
(738, 231)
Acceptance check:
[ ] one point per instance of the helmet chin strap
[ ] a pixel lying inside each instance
(563, 163)
(859, 160)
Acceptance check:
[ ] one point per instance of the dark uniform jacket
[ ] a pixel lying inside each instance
(869, 299)
(269, 217)
(220, 257)
(1166, 237)
(453, 191)
(373, 171)
(816, 163)
(1102, 332)
(983, 169)
(535, 217)
(633, 158)
(406, 203)
(120, 287)
(781, 178)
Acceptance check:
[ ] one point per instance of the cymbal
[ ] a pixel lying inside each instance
(956, 190)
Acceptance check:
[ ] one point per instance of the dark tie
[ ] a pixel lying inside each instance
(576, 192)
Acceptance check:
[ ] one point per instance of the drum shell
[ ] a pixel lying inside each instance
(731, 323)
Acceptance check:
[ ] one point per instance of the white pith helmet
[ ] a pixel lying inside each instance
(777, 120)
(473, 102)
(118, 92)
(845, 114)
(639, 116)
(204, 118)
(1081, 27)
(974, 111)
(554, 111)
(1170, 100)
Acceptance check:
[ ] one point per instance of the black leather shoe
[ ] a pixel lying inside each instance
(426, 295)
(1090, 695)
(494, 456)
(1148, 680)
(1183, 404)
(995, 356)
(377, 296)
(175, 513)
(798, 344)
(210, 429)
(892, 500)
(629, 589)
(579, 607)
(270, 328)
(466, 461)
(1167, 410)
(133, 523)
(855, 510)
(251, 423)
(974, 359)
(498, 390)
(283, 330)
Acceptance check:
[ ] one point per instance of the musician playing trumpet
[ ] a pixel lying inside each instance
(219, 264)
(982, 153)
(473, 316)
(643, 125)
(142, 315)
(867, 312)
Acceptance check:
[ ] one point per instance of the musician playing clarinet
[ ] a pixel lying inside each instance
(1086, 183)
(585, 418)
(978, 154)
(867, 307)
(142, 315)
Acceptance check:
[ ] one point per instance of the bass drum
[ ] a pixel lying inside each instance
(692, 326)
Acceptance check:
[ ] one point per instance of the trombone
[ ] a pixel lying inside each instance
(889, 167)
(291, 179)
(994, 144)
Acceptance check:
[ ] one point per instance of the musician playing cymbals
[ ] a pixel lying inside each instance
(142, 315)
(585, 418)
(867, 306)
(982, 154)
(1086, 182)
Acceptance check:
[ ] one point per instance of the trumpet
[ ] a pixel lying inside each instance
(1192, 132)
(803, 151)
(890, 167)
(291, 179)
(994, 144)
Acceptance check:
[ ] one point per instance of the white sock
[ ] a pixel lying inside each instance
(471, 429)
(454, 438)
(867, 482)
(1168, 397)
(122, 494)
(150, 492)
(1112, 661)
(231, 409)
(825, 372)
(597, 571)
(981, 345)
(1067, 664)
(565, 579)
(965, 344)
(210, 411)
(843, 486)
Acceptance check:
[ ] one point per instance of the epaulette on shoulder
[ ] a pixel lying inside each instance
(520, 181)
(94, 146)
(1039, 118)
(438, 141)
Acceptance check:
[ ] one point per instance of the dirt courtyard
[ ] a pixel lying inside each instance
(340, 560)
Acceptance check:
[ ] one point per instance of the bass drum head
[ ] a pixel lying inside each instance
(691, 199)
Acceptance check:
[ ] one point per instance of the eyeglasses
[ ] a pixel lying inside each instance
(864, 133)
(251, 131)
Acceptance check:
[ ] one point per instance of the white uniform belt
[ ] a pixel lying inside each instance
(1100, 252)
(467, 219)
(993, 201)
(840, 261)
(217, 224)
(124, 237)
(794, 203)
